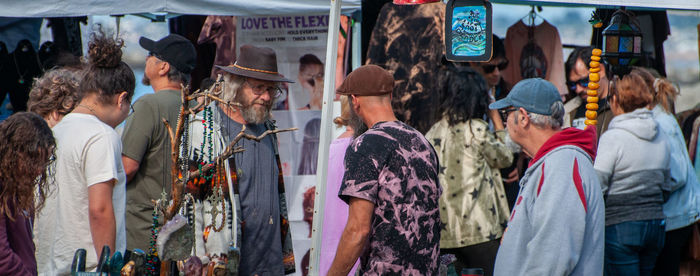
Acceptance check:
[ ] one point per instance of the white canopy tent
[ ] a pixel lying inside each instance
(60, 8)
(645, 4)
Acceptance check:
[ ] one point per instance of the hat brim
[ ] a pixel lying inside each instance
(147, 44)
(501, 104)
(253, 74)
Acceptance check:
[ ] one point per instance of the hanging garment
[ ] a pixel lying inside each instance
(408, 41)
(538, 55)
(189, 26)
(220, 30)
(66, 33)
(5, 67)
(25, 63)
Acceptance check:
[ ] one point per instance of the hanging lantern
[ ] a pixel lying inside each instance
(622, 42)
(413, 2)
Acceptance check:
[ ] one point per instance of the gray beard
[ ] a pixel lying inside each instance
(146, 81)
(356, 123)
(512, 145)
(253, 116)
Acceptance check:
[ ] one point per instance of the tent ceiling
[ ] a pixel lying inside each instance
(59, 8)
(654, 4)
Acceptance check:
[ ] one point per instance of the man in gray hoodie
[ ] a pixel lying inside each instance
(557, 226)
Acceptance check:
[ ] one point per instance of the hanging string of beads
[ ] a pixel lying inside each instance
(593, 85)
(189, 214)
(185, 151)
(210, 146)
(218, 189)
(593, 78)
(207, 145)
(152, 261)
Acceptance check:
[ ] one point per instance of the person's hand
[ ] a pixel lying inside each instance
(512, 177)
(496, 119)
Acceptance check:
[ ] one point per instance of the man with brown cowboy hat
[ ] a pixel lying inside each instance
(255, 187)
(390, 184)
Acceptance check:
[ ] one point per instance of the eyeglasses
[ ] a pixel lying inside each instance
(258, 90)
(506, 112)
(131, 108)
(488, 68)
(583, 82)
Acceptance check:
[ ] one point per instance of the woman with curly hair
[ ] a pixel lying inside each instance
(54, 94)
(28, 147)
(88, 209)
(473, 206)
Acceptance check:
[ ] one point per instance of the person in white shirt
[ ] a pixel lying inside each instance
(87, 209)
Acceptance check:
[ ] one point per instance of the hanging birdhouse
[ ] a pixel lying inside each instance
(622, 42)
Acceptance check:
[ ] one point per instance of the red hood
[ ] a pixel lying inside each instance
(584, 139)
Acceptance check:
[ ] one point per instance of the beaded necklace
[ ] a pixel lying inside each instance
(152, 260)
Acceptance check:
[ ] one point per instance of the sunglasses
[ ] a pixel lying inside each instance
(506, 112)
(583, 82)
(490, 68)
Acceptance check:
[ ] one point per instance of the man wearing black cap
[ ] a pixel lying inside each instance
(254, 187)
(146, 144)
(390, 184)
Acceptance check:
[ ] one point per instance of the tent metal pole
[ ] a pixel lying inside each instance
(356, 45)
(326, 134)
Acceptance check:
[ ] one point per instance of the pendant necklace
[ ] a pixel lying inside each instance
(20, 80)
(88, 108)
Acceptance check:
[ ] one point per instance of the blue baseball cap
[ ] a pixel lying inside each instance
(534, 95)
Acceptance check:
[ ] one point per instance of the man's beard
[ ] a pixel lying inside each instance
(251, 113)
(146, 81)
(512, 145)
(356, 123)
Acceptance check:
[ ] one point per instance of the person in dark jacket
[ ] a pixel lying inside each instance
(27, 148)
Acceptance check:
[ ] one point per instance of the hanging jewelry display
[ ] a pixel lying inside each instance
(152, 266)
(216, 199)
(209, 174)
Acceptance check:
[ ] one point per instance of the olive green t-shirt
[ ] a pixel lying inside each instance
(145, 139)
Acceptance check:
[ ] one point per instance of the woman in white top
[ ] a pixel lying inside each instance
(87, 210)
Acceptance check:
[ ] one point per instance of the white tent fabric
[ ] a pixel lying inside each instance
(645, 4)
(59, 8)
(56, 8)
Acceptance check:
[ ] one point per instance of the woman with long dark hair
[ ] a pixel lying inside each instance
(89, 207)
(473, 206)
(27, 151)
